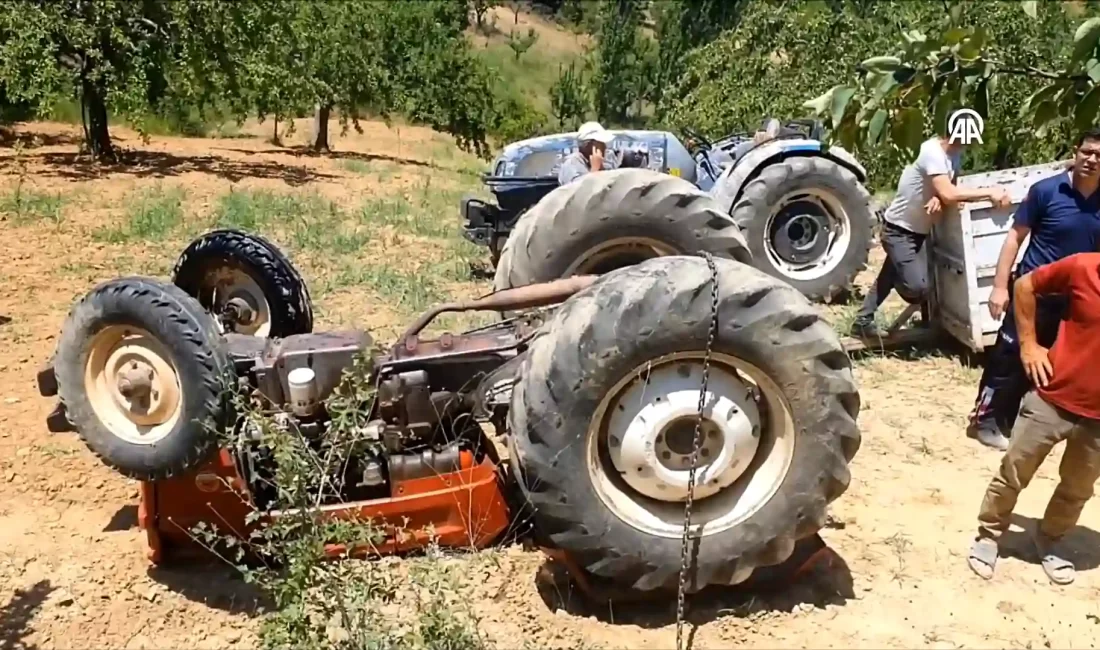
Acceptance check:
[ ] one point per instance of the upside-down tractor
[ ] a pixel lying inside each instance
(592, 382)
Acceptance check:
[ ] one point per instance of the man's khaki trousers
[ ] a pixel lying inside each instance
(1039, 426)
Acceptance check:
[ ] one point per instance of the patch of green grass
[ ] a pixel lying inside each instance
(407, 292)
(309, 221)
(387, 169)
(461, 257)
(153, 214)
(65, 110)
(256, 210)
(24, 205)
(532, 75)
(230, 130)
(383, 170)
(356, 166)
(427, 211)
(331, 236)
(449, 156)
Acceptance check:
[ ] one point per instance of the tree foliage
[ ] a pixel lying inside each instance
(479, 9)
(682, 26)
(620, 66)
(520, 43)
(1030, 69)
(772, 62)
(110, 52)
(266, 58)
(568, 98)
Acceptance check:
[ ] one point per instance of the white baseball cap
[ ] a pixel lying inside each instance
(593, 131)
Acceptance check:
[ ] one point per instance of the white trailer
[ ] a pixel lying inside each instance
(962, 257)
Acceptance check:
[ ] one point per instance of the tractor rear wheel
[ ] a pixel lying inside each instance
(142, 372)
(602, 423)
(808, 221)
(612, 219)
(247, 283)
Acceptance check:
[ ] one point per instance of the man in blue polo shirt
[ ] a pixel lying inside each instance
(1062, 215)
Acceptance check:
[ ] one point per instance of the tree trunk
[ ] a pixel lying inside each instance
(320, 127)
(94, 111)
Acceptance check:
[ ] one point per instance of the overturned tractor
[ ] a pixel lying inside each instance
(619, 397)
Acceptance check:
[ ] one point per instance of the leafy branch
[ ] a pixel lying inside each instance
(928, 76)
(350, 603)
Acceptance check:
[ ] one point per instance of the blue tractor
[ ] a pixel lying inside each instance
(801, 206)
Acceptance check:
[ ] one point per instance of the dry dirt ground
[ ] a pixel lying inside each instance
(72, 569)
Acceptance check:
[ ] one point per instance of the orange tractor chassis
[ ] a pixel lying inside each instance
(457, 497)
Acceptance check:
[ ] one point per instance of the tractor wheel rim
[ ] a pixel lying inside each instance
(640, 442)
(807, 234)
(232, 283)
(618, 253)
(132, 384)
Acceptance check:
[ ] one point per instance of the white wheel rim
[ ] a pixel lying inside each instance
(637, 249)
(132, 384)
(229, 283)
(803, 229)
(750, 443)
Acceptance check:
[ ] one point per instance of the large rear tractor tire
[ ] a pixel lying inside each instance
(809, 222)
(143, 372)
(612, 219)
(602, 422)
(247, 283)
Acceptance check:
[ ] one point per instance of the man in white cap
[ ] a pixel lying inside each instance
(592, 141)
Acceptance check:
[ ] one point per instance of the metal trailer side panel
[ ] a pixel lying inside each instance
(963, 252)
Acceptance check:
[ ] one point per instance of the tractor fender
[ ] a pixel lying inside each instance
(730, 184)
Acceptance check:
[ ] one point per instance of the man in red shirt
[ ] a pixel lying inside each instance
(1064, 405)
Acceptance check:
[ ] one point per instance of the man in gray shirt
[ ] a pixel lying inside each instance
(925, 189)
(591, 153)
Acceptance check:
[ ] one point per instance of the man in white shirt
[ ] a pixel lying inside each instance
(591, 153)
(925, 189)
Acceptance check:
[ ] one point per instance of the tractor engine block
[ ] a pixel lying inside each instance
(414, 432)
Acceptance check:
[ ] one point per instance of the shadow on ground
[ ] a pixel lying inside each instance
(159, 164)
(4, 320)
(213, 585)
(827, 582)
(302, 150)
(9, 139)
(124, 519)
(1081, 545)
(16, 615)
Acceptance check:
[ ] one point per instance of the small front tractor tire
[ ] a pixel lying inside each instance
(607, 399)
(809, 222)
(142, 373)
(611, 219)
(228, 265)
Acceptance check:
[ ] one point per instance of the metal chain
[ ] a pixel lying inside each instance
(695, 449)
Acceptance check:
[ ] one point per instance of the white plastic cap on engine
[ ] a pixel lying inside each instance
(303, 391)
